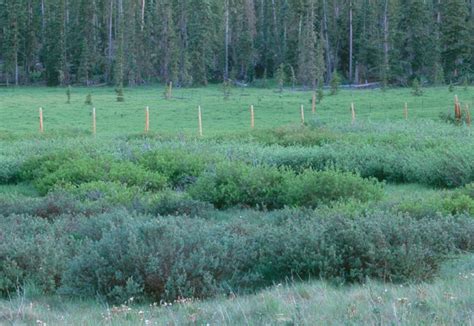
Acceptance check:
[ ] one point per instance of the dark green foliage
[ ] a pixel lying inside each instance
(232, 184)
(32, 251)
(227, 88)
(181, 168)
(287, 136)
(120, 96)
(451, 87)
(312, 189)
(75, 168)
(416, 88)
(449, 165)
(119, 256)
(88, 99)
(335, 83)
(320, 94)
(281, 77)
(68, 94)
(122, 43)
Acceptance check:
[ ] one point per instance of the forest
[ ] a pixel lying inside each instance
(196, 42)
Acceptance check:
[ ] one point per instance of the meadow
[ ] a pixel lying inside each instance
(178, 115)
(330, 222)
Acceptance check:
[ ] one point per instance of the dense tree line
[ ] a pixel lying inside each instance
(194, 42)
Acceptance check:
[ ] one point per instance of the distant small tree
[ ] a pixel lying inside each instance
(293, 77)
(335, 83)
(281, 77)
(120, 95)
(416, 88)
(465, 84)
(227, 88)
(439, 75)
(68, 94)
(320, 94)
(88, 99)
(168, 90)
(451, 87)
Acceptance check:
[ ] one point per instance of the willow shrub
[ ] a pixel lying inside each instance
(230, 184)
(166, 258)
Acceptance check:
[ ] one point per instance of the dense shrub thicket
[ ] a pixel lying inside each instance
(230, 184)
(433, 166)
(119, 255)
(221, 182)
(68, 167)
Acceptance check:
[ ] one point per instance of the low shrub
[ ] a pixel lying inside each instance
(230, 184)
(75, 168)
(313, 188)
(180, 167)
(177, 204)
(118, 254)
(291, 136)
(165, 258)
(31, 251)
(53, 205)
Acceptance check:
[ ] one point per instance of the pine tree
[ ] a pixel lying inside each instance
(54, 51)
(335, 83)
(68, 94)
(309, 71)
(280, 76)
(119, 62)
(454, 38)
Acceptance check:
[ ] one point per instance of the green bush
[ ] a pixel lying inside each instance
(163, 258)
(31, 251)
(181, 168)
(177, 204)
(119, 255)
(311, 188)
(232, 184)
(75, 168)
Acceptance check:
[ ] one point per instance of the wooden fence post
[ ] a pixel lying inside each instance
(353, 113)
(252, 117)
(313, 103)
(147, 119)
(41, 126)
(200, 120)
(457, 109)
(468, 116)
(94, 125)
(406, 111)
(302, 115)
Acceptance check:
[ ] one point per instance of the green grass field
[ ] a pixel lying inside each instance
(19, 108)
(329, 223)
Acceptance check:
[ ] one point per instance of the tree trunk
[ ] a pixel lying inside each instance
(226, 18)
(350, 42)
(143, 14)
(385, 39)
(326, 43)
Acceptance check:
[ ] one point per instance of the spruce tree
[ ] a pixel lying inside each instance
(454, 38)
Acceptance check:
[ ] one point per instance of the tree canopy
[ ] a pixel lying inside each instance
(195, 42)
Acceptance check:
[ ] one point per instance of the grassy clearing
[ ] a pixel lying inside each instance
(448, 300)
(19, 108)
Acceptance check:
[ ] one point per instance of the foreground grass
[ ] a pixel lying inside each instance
(19, 108)
(448, 300)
